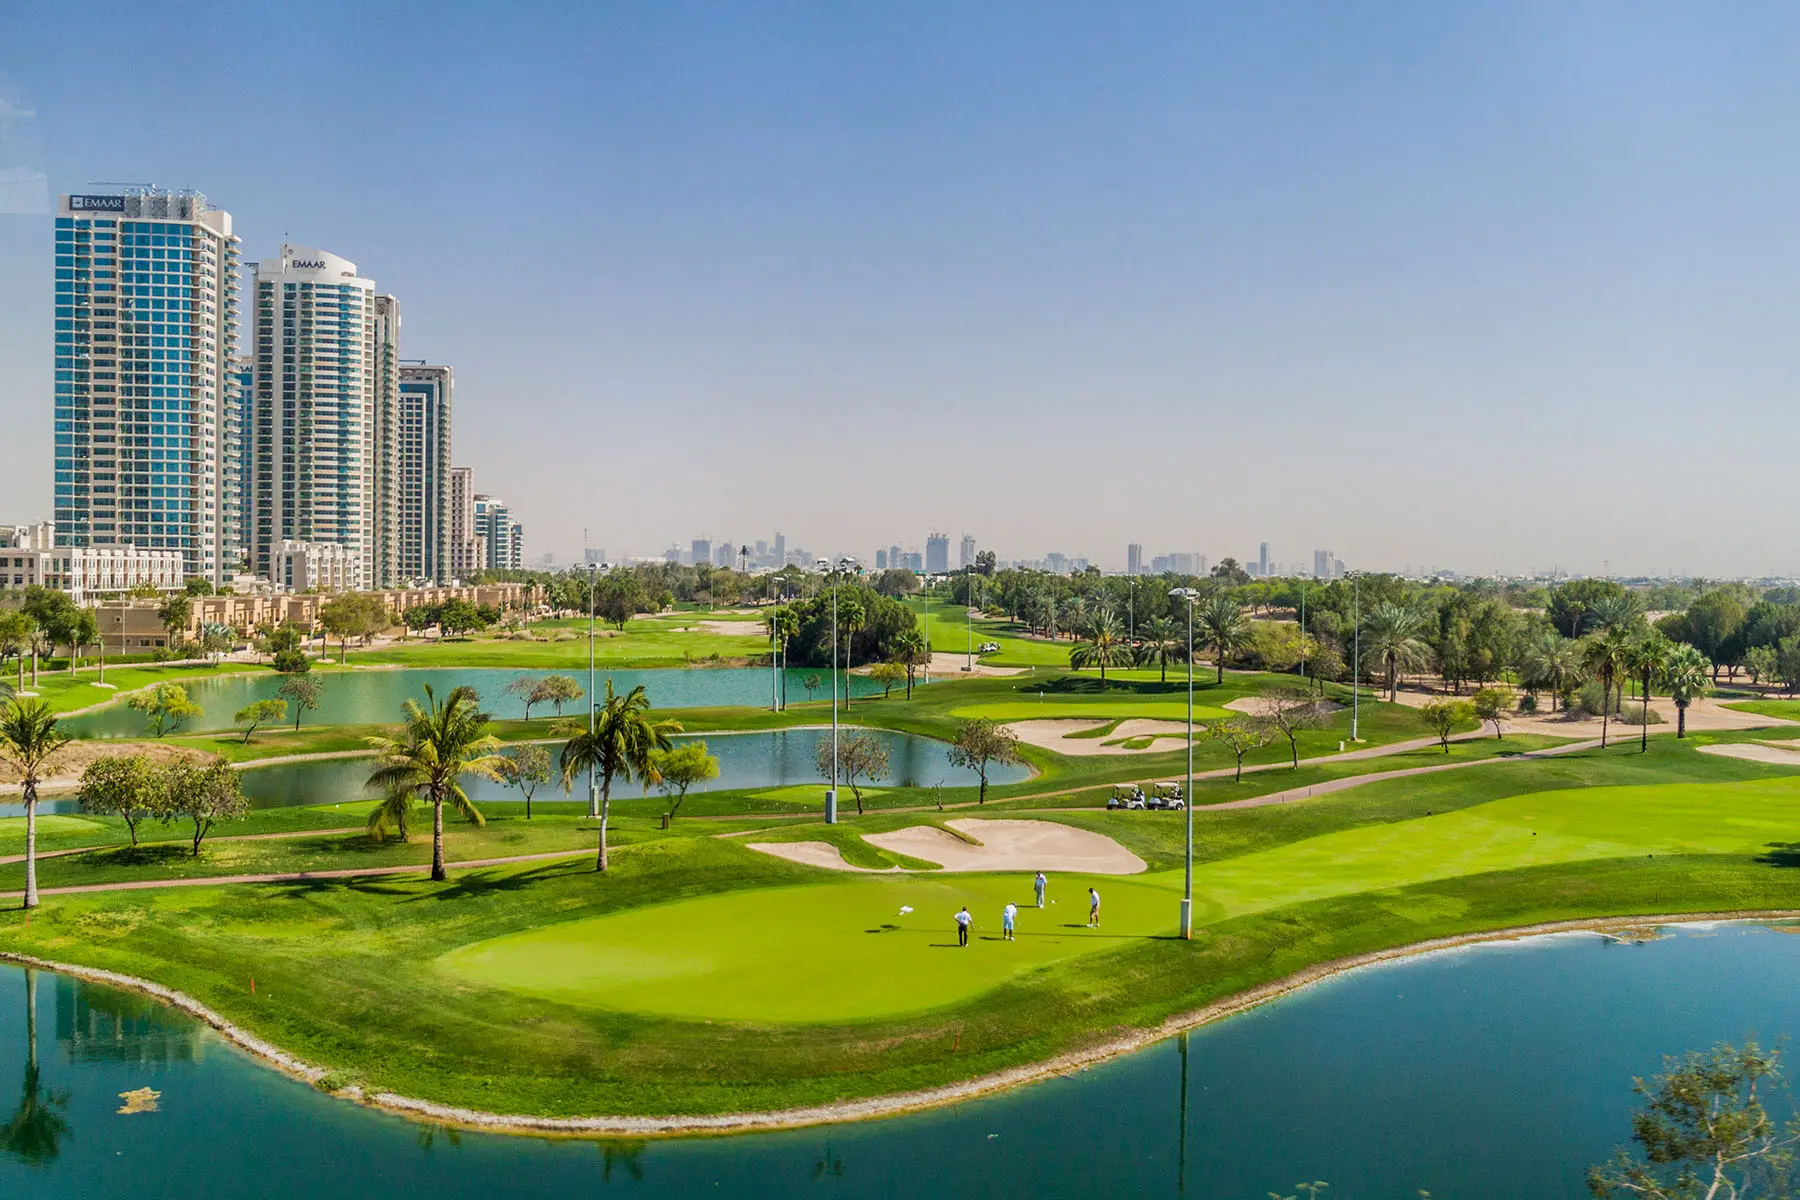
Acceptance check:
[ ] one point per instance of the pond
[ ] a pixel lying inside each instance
(775, 758)
(370, 696)
(1491, 1073)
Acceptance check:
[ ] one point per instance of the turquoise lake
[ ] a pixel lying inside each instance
(1494, 1073)
(371, 696)
(774, 758)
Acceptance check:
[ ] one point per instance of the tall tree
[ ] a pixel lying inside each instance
(28, 737)
(1648, 655)
(174, 613)
(622, 746)
(1104, 645)
(437, 745)
(1552, 662)
(1161, 640)
(1688, 676)
(1392, 633)
(1605, 655)
(1220, 625)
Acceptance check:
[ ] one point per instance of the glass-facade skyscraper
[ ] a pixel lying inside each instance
(422, 474)
(145, 330)
(312, 414)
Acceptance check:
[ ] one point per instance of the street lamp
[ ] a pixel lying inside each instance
(1187, 793)
(593, 784)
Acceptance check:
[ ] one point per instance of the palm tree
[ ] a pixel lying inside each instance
(1162, 640)
(913, 653)
(1220, 625)
(1688, 675)
(621, 747)
(1392, 634)
(28, 737)
(1105, 646)
(1552, 662)
(437, 746)
(851, 616)
(1605, 655)
(1648, 656)
(1615, 612)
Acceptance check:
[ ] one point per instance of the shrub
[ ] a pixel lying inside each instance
(1591, 699)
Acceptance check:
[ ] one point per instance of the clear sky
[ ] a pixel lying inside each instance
(1490, 286)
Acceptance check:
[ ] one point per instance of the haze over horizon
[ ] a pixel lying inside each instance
(1490, 287)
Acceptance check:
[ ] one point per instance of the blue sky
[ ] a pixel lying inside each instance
(1487, 286)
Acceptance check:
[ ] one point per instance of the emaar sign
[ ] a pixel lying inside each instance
(307, 264)
(97, 204)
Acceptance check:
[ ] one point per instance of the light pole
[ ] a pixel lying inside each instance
(1355, 655)
(1187, 792)
(1303, 633)
(843, 564)
(969, 599)
(593, 784)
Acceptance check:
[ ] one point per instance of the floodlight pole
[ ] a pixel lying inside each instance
(969, 599)
(593, 784)
(1187, 794)
(1356, 655)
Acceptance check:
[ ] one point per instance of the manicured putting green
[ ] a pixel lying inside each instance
(1064, 707)
(837, 951)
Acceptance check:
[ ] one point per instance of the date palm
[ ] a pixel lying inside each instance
(1104, 645)
(1615, 612)
(1553, 662)
(437, 745)
(1393, 634)
(1220, 625)
(1162, 641)
(28, 737)
(622, 746)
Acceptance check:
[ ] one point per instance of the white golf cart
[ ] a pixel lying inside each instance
(1167, 796)
(1126, 795)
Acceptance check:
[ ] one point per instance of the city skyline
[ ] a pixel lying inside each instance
(1504, 261)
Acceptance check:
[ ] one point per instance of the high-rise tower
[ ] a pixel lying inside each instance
(146, 326)
(313, 327)
(422, 465)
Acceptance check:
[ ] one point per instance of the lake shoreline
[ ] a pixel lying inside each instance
(870, 1108)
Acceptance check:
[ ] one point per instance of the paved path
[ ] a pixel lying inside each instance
(133, 885)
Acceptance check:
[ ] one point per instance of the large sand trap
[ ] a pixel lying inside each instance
(1258, 706)
(1052, 733)
(949, 665)
(1012, 846)
(813, 854)
(755, 629)
(1781, 754)
(65, 766)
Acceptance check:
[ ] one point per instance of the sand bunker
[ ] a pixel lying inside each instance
(1258, 706)
(755, 629)
(1053, 734)
(812, 854)
(1781, 754)
(1012, 846)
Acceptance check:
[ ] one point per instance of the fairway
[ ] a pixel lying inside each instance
(842, 951)
(838, 951)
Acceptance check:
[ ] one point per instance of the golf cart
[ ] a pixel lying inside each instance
(1126, 795)
(989, 648)
(1167, 796)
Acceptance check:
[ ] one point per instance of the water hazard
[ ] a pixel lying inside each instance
(1488, 1074)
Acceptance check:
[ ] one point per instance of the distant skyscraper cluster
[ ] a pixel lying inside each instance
(322, 456)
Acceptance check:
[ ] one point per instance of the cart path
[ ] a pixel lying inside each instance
(134, 885)
(10, 859)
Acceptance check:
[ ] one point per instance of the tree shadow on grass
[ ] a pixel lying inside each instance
(296, 889)
(1780, 854)
(479, 882)
(151, 854)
